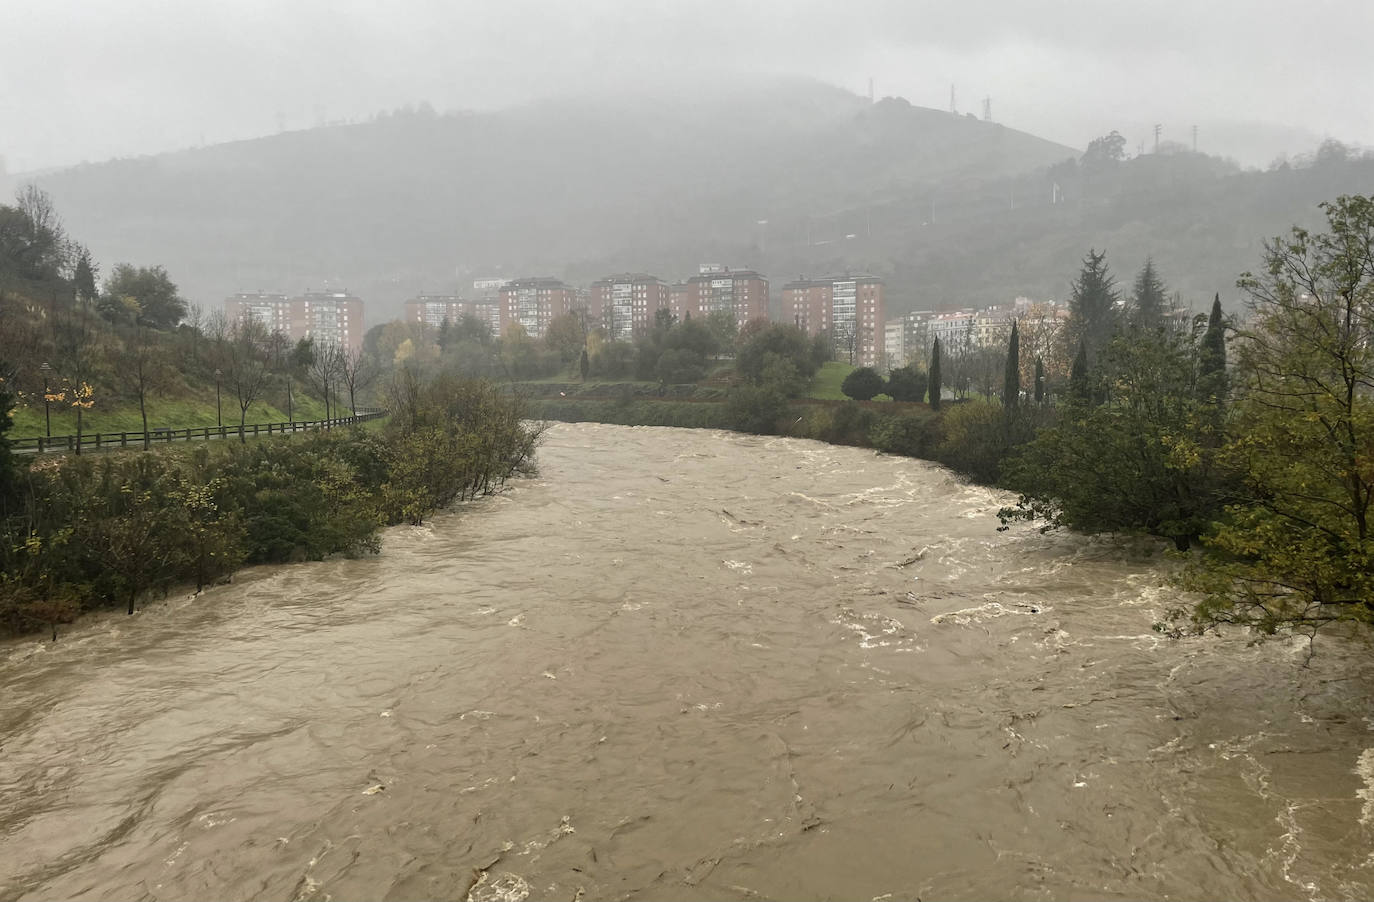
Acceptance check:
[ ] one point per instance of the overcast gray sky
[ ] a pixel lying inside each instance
(92, 79)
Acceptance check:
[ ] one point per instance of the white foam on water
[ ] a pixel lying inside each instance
(988, 611)
(1364, 768)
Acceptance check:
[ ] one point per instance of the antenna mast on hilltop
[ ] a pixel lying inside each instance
(870, 89)
(987, 109)
(1158, 128)
(1195, 139)
(952, 108)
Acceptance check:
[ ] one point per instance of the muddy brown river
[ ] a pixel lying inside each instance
(688, 665)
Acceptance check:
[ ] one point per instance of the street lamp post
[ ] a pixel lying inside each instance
(47, 420)
(219, 419)
(290, 415)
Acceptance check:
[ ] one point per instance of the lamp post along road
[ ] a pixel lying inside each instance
(219, 419)
(47, 419)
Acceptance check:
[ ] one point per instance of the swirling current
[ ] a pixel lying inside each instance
(690, 665)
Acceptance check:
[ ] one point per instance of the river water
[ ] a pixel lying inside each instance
(690, 665)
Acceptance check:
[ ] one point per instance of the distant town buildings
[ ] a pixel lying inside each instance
(327, 317)
(850, 309)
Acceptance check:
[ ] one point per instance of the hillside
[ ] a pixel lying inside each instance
(950, 210)
(417, 201)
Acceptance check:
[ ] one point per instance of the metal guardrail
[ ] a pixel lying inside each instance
(102, 440)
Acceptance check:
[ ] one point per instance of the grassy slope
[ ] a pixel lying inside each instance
(826, 384)
(178, 413)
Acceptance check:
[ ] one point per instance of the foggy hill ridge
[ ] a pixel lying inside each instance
(950, 209)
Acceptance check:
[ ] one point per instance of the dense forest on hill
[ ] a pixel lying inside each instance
(791, 178)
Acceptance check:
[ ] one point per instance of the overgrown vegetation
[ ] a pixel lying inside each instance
(86, 533)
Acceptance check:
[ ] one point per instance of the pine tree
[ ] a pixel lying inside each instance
(1011, 388)
(1079, 387)
(1039, 381)
(1148, 299)
(935, 375)
(1093, 314)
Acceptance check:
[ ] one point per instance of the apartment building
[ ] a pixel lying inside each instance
(328, 317)
(274, 312)
(908, 339)
(742, 292)
(850, 309)
(434, 309)
(534, 303)
(628, 303)
(332, 318)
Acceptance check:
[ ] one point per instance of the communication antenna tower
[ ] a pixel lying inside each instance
(987, 109)
(1195, 139)
(1158, 128)
(870, 89)
(952, 107)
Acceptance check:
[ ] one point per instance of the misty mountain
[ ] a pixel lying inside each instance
(418, 201)
(789, 177)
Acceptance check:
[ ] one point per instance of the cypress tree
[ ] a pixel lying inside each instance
(1011, 383)
(1039, 381)
(935, 376)
(1079, 387)
(1213, 383)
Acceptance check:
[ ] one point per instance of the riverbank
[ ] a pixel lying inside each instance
(83, 533)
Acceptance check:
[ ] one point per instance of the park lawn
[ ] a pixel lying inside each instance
(826, 383)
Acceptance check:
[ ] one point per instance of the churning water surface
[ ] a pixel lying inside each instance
(690, 665)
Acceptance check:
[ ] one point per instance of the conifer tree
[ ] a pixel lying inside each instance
(1213, 382)
(1148, 299)
(1079, 387)
(1011, 388)
(935, 375)
(1093, 314)
(1039, 381)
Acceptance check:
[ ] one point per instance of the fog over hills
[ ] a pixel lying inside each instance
(787, 176)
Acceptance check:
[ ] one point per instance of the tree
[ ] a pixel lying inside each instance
(583, 364)
(906, 384)
(142, 371)
(1104, 152)
(862, 384)
(323, 374)
(1011, 388)
(357, 370)
(777, 340)
(1149, 299)
(7, 475)
(677, 366)
(85, 276)
(566, 336)
(935, 375)
(1135, 462)
(1039, 381)
(244, 366)
(1296, 553)
(1092, 306)
(1213, 381)
(1080, 383)
(159, 304)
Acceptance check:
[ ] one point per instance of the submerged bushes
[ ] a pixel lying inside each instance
(94, 531)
